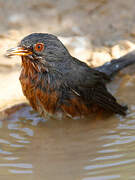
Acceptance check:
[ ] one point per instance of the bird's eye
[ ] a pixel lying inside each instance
(39, 47)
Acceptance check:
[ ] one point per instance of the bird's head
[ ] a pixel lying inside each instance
(40, 48)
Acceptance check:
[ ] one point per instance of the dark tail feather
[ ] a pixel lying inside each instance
(111, 68)
(104, 99)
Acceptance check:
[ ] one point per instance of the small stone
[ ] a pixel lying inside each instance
(79, 47)
(99, 58)
(16, 19)
(122, 48)
(76, 42)
(132, 33)
(115, 51)
(82, 54)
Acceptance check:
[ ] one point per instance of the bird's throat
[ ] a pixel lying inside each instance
(31, 67)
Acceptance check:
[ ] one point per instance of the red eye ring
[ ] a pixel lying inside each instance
(39, 47)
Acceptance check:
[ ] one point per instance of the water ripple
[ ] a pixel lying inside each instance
(20, 171)
(18, 165)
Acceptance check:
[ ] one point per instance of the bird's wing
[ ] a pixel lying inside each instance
(89, 84)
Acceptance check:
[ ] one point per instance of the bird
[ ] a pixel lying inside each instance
(57, 84)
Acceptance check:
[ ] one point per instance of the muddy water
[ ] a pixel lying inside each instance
(87, 149)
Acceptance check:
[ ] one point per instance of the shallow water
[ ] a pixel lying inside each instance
(87, 149)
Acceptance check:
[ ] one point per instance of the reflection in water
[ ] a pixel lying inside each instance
(86, 149)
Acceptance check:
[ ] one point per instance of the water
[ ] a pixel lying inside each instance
(87, 149)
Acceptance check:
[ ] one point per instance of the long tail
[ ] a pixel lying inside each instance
(111, 68)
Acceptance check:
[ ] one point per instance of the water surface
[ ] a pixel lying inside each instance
(32, 148)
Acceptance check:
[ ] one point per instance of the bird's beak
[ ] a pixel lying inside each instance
(18, 51)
